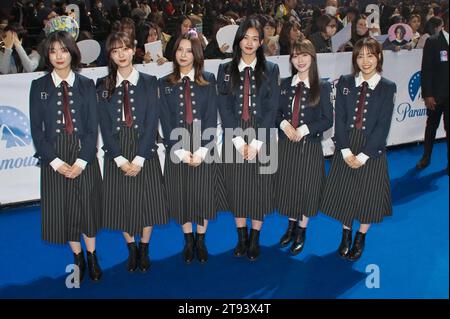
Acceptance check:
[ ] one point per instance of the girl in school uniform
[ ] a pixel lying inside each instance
(358, 186)
(188, 105)
(305, 112)
(63, 116)
(133, 191)
(248, 89)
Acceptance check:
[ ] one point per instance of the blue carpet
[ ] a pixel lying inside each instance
(409, 252)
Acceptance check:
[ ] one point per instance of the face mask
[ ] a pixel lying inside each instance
(331, 10)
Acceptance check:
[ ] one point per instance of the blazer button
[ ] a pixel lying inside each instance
(131, 100)
(181, 121)
(74, 120)
(181, 96)
(363, 127)
(365, 111)
(75, 129)
(59, 112)
(181, 113)
(131, 91)
(240, 112)
(73, 111)
(58, 121)
(303, 107)
(120, 92)
(119, 101)
(58, 130)
(193, 102)
(254, 112)
(301, 122)
(352, 126)
(181, 104)
(119, 110)
(118, 119)
(134, 117)
(194, 111)
(118, 128)
(302, 114)
(153, 150)
(379, 152)
(70, 93)
(133, 108)
(354, 117)
(136, 126)
(59, 93)
(58, 103)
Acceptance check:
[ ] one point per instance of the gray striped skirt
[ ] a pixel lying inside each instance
(249, 194)
(132, 203)
(362, 194)
(300, 178)
(191, 191)
(70, 207)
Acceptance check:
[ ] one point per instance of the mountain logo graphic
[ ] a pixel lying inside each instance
(14, 128)
(414, 86)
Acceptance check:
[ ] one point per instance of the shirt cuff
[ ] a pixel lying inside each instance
(181, 153)
(56, 163)
(202, 152)
(238, 142)
(256, 144)
(303, 130)
(284, 124)
(139, 161)
(120, 160)
(362, 158)
(81, 163)
(346, 152)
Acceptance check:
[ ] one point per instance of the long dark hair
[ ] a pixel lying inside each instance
(67, 41)
(115, 40)
(306, 46)
(285, 36)
(260, 67)
(197, 52)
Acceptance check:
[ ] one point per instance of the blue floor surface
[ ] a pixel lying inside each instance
(408, 251)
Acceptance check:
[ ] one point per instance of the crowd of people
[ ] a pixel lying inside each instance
(146, 21)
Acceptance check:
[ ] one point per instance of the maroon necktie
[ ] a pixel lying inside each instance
(298, 95)
(245, 111)
(67, 116)
(126, 104)
(362, 99)
(187, 100)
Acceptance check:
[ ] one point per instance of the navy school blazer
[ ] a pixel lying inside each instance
(172, 110)
(377, 114)
(318, 118)
(46, 109)
(264, 101)
(144, 109)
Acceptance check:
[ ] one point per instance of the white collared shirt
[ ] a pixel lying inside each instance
(132, 78)
(243, 65)
(238, 141)
(57, 79)
(191, 75)
(57, 162)
(372, 84)
(445, 33)
(303, 129)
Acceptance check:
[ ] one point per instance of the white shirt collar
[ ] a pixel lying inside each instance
(445, 33)
(191, 75)
(373, 81)
(57, 79)
(132, 78)
(296, 80)
(243, 65)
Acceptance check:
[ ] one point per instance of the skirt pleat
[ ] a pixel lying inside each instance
(300, 178)
(132, 203)
(70, 207)
(361, 194)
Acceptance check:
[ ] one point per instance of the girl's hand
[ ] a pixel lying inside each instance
(64, 169)
(161, 60)
(134, 170)
(74, 172)
(147, 57)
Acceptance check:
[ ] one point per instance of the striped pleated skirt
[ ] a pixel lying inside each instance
(300, 178)
(70, 207)
(132, 203)
(249, 193)
(191, 191)
(361, 194)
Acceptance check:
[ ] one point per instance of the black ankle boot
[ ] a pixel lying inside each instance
(81, 263)
(241, 247)
(289, 234)
(299, 241)
(133, 257)
(95, 272)
(346, 243)
(144, 260)
(202, 252)
(253, 245)
(358, 247)
(188, 251)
